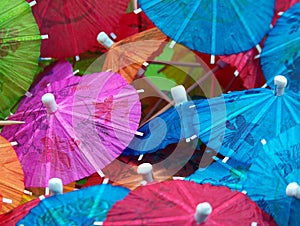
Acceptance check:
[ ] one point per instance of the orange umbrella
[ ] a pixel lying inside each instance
(12, 177)
(131, 175)
(128, 55)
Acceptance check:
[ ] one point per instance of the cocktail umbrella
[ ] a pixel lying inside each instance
(231, 124)
(175, 202)
(12, 177)
(280, 54)
(69, 138)
(128, 55)
(82, 207)
(269, 177)
(202, 26)
(19, 52)
(74, 24)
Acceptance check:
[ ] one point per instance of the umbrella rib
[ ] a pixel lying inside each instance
(243, 22)
(280, 46)
(187, 20)
(248, 129)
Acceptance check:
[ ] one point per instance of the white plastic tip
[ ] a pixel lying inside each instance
(32, 3)
(179, 94)
(202, 212)
(27, 192)
(263, 141)
(55, 186)
(258, 48)
(212, 59)
(76, 72)
(178, 178)
(28, 94)
(45, 58)
(254, 224)
(140, 91)
(279, 13)
(104, 40)
(146, 64)
(224, 160)
(14, 143)
(280, 82)
(188, 140)
(136, 11)
(98, 223)
(139, 133)
(193, 137)
(48, 100)
(45, 37)
(172, 44)
(47, 191)
(100, 173)
(145, 169)
(293, 190)
(8, 201)
(113, 35)
(77, 58)
(236, 73)
(41, 197)
(140, 157)
(105, 181)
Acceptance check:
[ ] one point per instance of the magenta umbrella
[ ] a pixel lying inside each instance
(81, 126)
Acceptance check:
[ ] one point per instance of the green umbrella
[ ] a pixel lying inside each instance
(19, 52)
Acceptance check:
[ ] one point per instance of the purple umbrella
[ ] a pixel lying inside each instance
(81, 126)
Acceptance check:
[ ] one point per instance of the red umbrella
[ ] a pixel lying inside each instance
(175, 203)
(247, 68)
(132, 23)
(73, 25)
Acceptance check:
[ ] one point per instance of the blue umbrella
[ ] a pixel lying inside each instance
(231, 124)
(228, 173)
(169, 127)
(81, 207)
(276, 166)
(281, 51)
(213, 27)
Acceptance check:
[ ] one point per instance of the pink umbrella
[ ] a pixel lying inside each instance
(81, 126)
(56, 71)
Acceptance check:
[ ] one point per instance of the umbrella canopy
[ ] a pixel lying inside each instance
(231, 124)
(68, 138)
(276, 166)
(73, 25)
(12, 177)
(281, 52)
(202, 26)
(248, 68)
(19, 52)
(175, 202)
(128, 55)
(228, 173)
(81, 207)
(56, 71)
